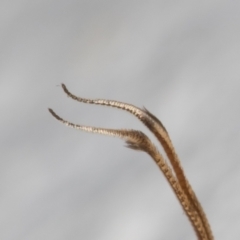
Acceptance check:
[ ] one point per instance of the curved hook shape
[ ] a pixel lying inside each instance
(139, 141)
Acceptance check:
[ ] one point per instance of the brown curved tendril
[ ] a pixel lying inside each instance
(139, 141)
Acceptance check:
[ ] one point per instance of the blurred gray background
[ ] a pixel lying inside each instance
(179, 59)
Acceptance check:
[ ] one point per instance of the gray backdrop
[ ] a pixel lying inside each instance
(180, 59)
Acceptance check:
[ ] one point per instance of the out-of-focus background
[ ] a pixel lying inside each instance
(179, 59)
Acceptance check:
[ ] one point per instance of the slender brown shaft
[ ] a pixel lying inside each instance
(157, 128)
(139, 141)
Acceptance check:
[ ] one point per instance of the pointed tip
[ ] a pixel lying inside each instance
(51, 111)
(54, 114)
(64, 87)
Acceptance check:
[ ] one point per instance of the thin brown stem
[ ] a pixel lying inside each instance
(157, 128)
(139, 141)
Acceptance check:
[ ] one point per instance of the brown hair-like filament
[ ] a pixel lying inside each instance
(139, 141)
